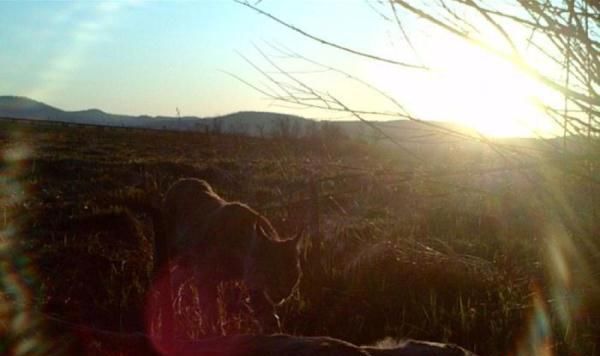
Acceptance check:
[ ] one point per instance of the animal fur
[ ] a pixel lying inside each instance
(226, 241)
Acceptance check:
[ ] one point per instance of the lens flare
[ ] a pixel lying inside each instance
(558, 305)
(18, 278)
(567, 270)
(537, 340)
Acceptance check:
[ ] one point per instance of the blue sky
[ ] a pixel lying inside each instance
(151, 57)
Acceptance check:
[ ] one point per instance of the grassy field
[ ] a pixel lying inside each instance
(493, 250)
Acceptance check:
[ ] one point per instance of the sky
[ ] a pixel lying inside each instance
(140, 57)
(156, 57)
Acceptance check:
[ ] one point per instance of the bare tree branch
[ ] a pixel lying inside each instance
(528, 69)
(328, 43)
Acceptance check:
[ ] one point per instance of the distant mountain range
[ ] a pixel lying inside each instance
(265, 124)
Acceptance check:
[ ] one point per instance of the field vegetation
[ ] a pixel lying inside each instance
(470, 244)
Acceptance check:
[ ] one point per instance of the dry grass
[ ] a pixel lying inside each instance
(400, 254)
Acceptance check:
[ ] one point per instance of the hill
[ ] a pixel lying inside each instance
(252, 123)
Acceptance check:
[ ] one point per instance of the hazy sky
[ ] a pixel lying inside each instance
(151, 57)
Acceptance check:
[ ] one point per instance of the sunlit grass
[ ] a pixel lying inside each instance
(499, 274)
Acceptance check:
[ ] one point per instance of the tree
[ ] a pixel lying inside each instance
(330, 132)
(216, 126)
(563, 34)
(260, 130)
(554, 42)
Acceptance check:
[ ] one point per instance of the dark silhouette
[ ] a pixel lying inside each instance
(219, 241)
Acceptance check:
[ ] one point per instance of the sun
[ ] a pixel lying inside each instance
(487, 94)
(471, 87)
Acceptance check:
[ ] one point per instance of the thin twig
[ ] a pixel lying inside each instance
(328, 43)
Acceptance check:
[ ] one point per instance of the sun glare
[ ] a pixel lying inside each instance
(471, 87)
(487, 94)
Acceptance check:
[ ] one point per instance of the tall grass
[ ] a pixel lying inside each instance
(475, 259)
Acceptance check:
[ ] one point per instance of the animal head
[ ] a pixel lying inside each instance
(270, 263)
(230, 239)
(189, 195)
(187, 202)
(278, 261)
